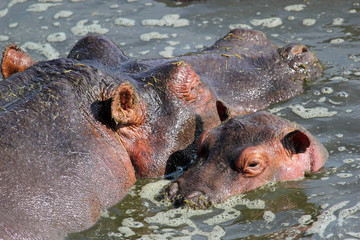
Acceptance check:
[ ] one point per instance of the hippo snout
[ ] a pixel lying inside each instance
(301, 59)
(193, 199)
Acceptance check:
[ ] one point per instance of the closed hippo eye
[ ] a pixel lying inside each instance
(250, 163)
(254, 163)
(254, 167)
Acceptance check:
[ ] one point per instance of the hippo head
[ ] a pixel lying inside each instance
(294, 59)
(154, 114)
(243, 153)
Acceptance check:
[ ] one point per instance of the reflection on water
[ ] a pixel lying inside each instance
(324, 205)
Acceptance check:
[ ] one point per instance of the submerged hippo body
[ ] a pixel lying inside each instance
(77, 132)
(244, 153)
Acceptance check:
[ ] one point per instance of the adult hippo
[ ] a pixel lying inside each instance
(77, 131)
(244, 153)
(74, 137)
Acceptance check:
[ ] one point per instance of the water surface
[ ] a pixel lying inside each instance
(324, 205)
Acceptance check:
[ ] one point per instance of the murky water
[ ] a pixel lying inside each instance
(323, 205)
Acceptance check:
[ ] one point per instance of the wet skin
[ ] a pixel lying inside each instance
(76, 136)
(244, 153)
(244, 69)
(247, 72)
(77, 132)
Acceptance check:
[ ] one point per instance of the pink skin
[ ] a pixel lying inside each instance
(14, 60)
(243, 154)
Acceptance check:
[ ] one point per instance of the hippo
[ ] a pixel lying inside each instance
(75, 137)
(78, 131)
(242, 154)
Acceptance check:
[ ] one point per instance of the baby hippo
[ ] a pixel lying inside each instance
(244, 153)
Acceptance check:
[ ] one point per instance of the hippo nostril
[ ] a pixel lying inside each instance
(298, 49)
(194, 194)
(173, 189)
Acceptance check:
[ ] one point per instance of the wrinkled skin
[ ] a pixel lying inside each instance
(77, 132)
(244, 153)
(248, 73)
(244, 69)
(14, 60)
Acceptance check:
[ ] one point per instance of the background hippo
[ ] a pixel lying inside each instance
(244, 153)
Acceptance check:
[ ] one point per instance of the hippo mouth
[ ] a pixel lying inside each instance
(194, 199)
(300, 59)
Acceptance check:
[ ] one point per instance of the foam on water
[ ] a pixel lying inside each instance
(227, 215)
(150, 190)
(325, 219)
(13, 2)
(167, 20)
(240, 200)
(176, 217)
(268, 216)
(167, 52)
(126, 22)
(338, 21)
(305, 220)
(327, 90)
(81, 29)
(56, 37)
(63, 14)
(191, 230)
(239, 25)
(131, 223)
(173, 43)
(317, 112)
(4, 12)
(337, 41)
(295, 7)
(4, 38)
(43, 48)
(153, 35)
(13, 25)
(344, 175)
(345, 213)
(309, 21)
(267, 22)
(353, 234)
(126, 232)
(41, 7)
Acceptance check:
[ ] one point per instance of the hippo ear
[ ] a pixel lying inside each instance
(14, 60)
(183, 82)
(126, 109)
(223, 111)
(296, 142)
(98, 48)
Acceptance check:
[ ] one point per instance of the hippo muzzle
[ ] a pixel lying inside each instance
(301, 59)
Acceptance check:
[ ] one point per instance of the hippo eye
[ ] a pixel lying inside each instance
(254, 163)
(251, 162)
(253, 166)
